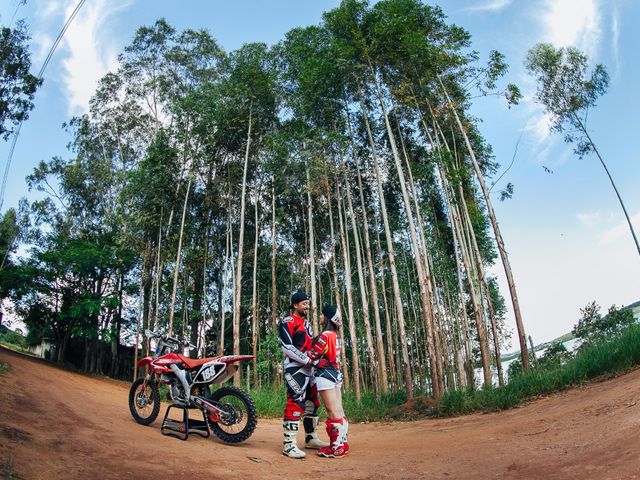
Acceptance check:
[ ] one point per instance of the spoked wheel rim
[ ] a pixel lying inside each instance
(234, 416)
(144, 401)
(238, 417)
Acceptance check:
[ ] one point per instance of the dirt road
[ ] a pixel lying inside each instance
(58, 424)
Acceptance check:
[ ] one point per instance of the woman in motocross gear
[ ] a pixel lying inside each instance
(326, 350)
(296, 337)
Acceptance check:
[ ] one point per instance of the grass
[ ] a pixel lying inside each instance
(271, 402)
(7, 470)
(14, 346)
(605, 357)
(4, 368)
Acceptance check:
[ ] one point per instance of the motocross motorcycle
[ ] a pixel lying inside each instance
(230, 412)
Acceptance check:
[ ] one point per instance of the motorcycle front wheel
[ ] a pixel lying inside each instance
(144, 404)
(239, 417)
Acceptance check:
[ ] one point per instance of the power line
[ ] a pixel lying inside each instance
(15, 12)
(40, 76)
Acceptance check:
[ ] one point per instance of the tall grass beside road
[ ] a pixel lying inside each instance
(601, 357)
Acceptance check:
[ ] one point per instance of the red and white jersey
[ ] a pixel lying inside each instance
(328, 345)
(296, 337)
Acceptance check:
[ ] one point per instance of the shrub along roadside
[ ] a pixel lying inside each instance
(601, 356)
(271, 402)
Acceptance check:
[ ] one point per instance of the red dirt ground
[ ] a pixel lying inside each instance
(58, 424)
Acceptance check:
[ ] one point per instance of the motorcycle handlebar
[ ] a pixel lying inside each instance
(167, 338)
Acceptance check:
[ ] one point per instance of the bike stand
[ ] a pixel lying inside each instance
(182, 429)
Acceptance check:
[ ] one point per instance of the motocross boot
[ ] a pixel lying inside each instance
(290, 448)
(345, 434)
(311, 439)
(336, 449)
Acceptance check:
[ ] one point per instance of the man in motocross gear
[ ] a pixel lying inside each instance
(326, 350)
(296, 337)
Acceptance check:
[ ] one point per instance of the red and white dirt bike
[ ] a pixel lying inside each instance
(229, 411)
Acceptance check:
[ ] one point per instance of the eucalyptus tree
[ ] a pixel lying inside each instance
(17, 85)
(567, 90)
(358, 30)
(251, 98)
(311, 83)
(428, 55)
(143, 62)
(81, 253)
(9, 233)
(11, 229)
(345, 24)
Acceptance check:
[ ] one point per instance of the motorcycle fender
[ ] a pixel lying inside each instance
(144, 361)
(234, 358)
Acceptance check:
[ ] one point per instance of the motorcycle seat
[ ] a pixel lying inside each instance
(196, 362)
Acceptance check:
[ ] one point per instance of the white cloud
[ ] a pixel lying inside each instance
(48, 14)
(620, 230)
(541, 126)
(489, 6)
(573, 23)
(91, 52)
(599, 217)
(615, 39)
(590, 219)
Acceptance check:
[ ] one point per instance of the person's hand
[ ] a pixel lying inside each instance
(323, 363)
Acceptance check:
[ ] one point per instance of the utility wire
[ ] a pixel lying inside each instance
(15, 12)
(40, 76)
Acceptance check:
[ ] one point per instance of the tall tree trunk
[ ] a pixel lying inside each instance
(389, 333)
(139, 318)
(312, 256)
(363, 293)
(392, 259)
(254, 303)
(382, 364)
(425, 258)
(237, 287)
(496, 230)
(178, 255)
(355, 363)
(422, 275)
(458, 234)
(274, 285)
(228, 255)
(583, 127)
(483, 281)
(334, 269)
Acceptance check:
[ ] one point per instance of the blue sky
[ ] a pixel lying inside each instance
(565, 232)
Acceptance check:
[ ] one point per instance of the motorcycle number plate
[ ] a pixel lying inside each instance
(208, 373)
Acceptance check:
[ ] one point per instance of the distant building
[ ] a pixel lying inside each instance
(46, 349)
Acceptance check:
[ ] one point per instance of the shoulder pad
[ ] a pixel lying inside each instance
(287, 319)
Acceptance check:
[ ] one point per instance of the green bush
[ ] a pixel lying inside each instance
(270, 403)
(600, 356)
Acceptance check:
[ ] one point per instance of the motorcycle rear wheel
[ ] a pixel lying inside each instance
(240, 417)
(144, 404)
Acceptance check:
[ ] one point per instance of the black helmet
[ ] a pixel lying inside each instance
(332, 314)
(298, 297)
